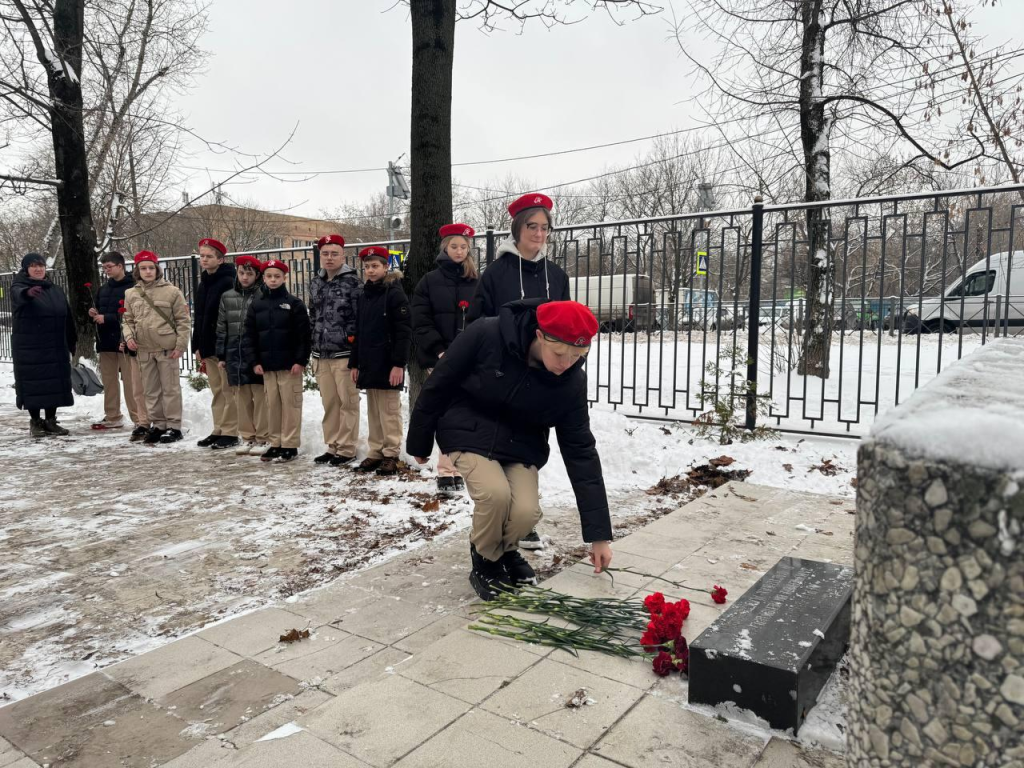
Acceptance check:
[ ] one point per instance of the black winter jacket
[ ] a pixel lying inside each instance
(207, 306)
(231, 346)
(277, 331)
(436, 316)
(485, 398)
(383, 333)
(108, 301)
(333, 305)
(42, 342)
(513, 278)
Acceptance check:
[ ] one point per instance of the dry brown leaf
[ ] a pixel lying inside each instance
(749, 566)
(722, 461)
(431, 506)
(294, 635)
(788, 467)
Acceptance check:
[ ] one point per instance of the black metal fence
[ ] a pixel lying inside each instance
(693, 307)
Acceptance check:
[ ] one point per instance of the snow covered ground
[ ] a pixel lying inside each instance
(109, 549)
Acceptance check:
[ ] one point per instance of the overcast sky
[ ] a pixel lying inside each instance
(341, 70)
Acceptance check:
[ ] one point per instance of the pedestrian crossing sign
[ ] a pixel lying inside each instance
(702, 262)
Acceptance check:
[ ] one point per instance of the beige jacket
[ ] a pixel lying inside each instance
(143, 324)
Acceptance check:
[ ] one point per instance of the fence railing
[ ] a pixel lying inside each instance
(692, 307)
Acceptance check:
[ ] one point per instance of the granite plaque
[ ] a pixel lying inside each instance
(773, 650)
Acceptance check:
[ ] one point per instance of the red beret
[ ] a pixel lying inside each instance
(276, 264)
(330, 240)
(532, 200)
(249, 261)
(374, 251)
(448, 230)
(217, 244)
(142, 256)
(568, 321)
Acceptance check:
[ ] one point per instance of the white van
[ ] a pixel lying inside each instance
(619, 302)
(990, 293)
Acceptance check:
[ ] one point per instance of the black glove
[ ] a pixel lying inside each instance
(35, 291)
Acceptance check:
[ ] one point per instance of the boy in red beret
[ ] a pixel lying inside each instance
(490, 403)
(277, 335)
(380, 353)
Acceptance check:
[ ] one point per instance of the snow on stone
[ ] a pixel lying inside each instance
(286, 730)
(965, 415)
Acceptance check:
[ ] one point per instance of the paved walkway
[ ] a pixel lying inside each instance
(391, 676)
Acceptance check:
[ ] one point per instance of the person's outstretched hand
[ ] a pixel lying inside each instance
(35, 291)
(601, 555)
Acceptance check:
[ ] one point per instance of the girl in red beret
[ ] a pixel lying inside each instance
(490, 403)
(440, 307)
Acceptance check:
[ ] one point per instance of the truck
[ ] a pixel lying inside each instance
(619, 302)
(991, 292)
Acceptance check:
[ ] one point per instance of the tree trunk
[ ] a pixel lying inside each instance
(71, 161)
(814, 136)
(430, 147)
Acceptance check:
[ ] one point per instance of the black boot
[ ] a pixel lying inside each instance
(519, 571)
(53, 428)
(225, 441)
(324, 458)
(446, 485)
(139, 433)
(153, 435)
(171, 436)
(460, 484)
(287, 454)
(337, 460)
(271, 454)
(488, 578)
(207, 441)
(36, 428)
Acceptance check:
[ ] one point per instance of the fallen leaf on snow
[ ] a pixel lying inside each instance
(294, 635)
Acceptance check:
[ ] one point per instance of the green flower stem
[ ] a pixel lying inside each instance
(679, 584)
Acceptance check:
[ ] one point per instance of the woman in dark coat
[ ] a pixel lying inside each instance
(43, 342)
(439, 306)
(490, 404)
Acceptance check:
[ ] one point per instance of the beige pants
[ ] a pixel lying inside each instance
(445, 467)
(341, 405)
(162, 384)
(506, 502)
(251, 407)
(284, 408)
(112, 364)
(384, 414)
(225, 416)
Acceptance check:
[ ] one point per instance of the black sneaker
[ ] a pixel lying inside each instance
(225, 441)
(337, 460)
(531, 541)
(460, 484)
(487, 578)
(139, 433)
(324, 458)
(171, 436)
(446, 485)
(153, 435)
(388, 467)
(53, 428)
(208, 441)
(519, 571)
(36, 428)
(287, 454)
(271, 454)
(369, 465)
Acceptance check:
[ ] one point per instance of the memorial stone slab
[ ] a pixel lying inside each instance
(774, 649)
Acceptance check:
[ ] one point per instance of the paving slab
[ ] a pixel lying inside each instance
(469, 665)
(379, 722)
(300, 749)
(315, 667)
(785, 754)
(659, 733)
(255, 632)
(432, 632)
(174, 666)
(94, 722)
(384, 662)
(9, 755)
(389, 618)
(482, 739)
(330, 603)
(593, 761)
(226, 699)
(539, 699)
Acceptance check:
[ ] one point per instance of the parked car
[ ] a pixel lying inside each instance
(990, 293)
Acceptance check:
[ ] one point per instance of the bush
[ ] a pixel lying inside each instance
(309, 381)
(720, 421)
(198, 382)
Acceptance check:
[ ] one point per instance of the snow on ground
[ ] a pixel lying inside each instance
(109, 549)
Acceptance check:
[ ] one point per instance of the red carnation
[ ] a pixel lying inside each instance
(121, 310)
(463, 305)
(88, 285)
(681, 654)
(718, 594)
(663, 664)
(121, 302)
(655, 603)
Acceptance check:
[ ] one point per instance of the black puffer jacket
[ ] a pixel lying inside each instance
(231, 347)
(207, 305)
(277, 331)
(42, 342)
(484, 398)
(513, 278)
(109, 299)
(437, 317)
(383, 332)
(333, 305)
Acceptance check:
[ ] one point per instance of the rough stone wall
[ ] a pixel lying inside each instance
(937, 652)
